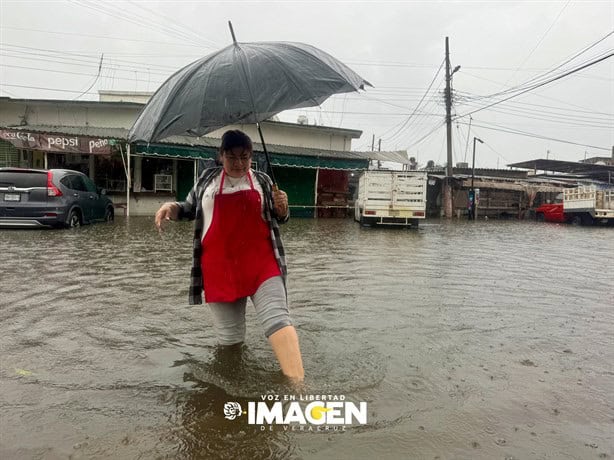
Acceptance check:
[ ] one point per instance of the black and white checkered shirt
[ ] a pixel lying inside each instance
(192, 209)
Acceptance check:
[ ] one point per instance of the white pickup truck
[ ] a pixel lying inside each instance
(588, 205)
(391, 198)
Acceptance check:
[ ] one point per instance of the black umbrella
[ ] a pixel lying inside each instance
(242, 83)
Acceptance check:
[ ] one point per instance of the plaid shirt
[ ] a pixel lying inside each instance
(192, 209)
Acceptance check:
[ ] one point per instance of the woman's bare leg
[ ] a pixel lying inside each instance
(288, 353)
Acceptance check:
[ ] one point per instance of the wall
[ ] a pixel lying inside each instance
(124, 96)
(122, 115)
(295, 136)
(18, 112)
(141, 204)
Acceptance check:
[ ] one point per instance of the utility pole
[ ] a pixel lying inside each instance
(379, 146)
(447, 188)
(373, 143)
(472, 196)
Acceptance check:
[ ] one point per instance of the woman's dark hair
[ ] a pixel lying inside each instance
(235, 138)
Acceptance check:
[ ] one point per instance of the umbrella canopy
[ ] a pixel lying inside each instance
(242, 83)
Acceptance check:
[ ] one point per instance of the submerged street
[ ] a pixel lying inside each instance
(467, 340)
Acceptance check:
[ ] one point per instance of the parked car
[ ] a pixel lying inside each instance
(552, 212)
(50, 198)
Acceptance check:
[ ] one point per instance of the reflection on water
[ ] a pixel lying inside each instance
(491, 340)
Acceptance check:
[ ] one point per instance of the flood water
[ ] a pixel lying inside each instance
(492, 340)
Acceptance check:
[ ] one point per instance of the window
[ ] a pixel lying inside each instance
(77, 183)
(163, 182)
(89, 185)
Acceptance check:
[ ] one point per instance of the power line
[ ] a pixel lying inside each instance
(542, 84)
(541, 39)
(440, 125)
(137, 20)
(83, 57)
(487, 144)
(601, 124)
(78, 73)
(541, 76)
(95, 79)
(105, 37)
(417, 106)
(178, 24)
(575, 106)
(537, 136)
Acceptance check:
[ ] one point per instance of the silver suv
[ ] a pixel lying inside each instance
(50, 198)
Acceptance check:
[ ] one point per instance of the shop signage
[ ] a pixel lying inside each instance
(59, 143)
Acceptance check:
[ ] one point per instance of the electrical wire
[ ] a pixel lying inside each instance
(575, 106)
(539, 41)
(405, 123)
(531, 88)
(139, 20)
(95, 79)
(104, 37)
(542, 77)
(537, 136)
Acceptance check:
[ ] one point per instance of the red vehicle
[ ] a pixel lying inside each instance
(550, 213)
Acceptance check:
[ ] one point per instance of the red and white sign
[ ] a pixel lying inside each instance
(56, 142)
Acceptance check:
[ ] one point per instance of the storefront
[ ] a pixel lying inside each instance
(316, 181)
(34, 149)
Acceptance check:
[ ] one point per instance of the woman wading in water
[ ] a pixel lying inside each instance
(238, 252)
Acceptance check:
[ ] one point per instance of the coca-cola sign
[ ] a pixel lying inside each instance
(56, 142)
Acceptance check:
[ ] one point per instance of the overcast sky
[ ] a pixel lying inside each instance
(52, 50)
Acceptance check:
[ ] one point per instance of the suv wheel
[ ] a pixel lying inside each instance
(109, 214)
(74, 219)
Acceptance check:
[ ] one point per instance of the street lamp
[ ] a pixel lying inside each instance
(472, 193)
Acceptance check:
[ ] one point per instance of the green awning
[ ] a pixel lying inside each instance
(300, 161)
(175, 151)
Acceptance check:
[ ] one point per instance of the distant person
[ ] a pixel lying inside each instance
(238, 252)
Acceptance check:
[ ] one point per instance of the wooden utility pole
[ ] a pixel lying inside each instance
(447, 186)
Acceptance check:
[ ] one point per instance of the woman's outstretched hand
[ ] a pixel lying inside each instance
(168, 211)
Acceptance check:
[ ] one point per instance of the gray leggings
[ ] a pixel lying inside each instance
(271, 309)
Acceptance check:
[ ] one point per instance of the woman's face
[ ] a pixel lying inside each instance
(236, 162)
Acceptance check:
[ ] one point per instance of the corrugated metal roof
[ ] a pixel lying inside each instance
(562, 166)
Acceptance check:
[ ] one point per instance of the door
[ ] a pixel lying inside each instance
(185, 178)
(97, 201)
(80, 194)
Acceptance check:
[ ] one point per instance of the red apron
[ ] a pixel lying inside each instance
(237, 252)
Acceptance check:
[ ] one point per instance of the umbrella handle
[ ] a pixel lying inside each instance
(266, 156)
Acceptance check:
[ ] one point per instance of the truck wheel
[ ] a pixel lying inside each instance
(587, 219)
(576, 221)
